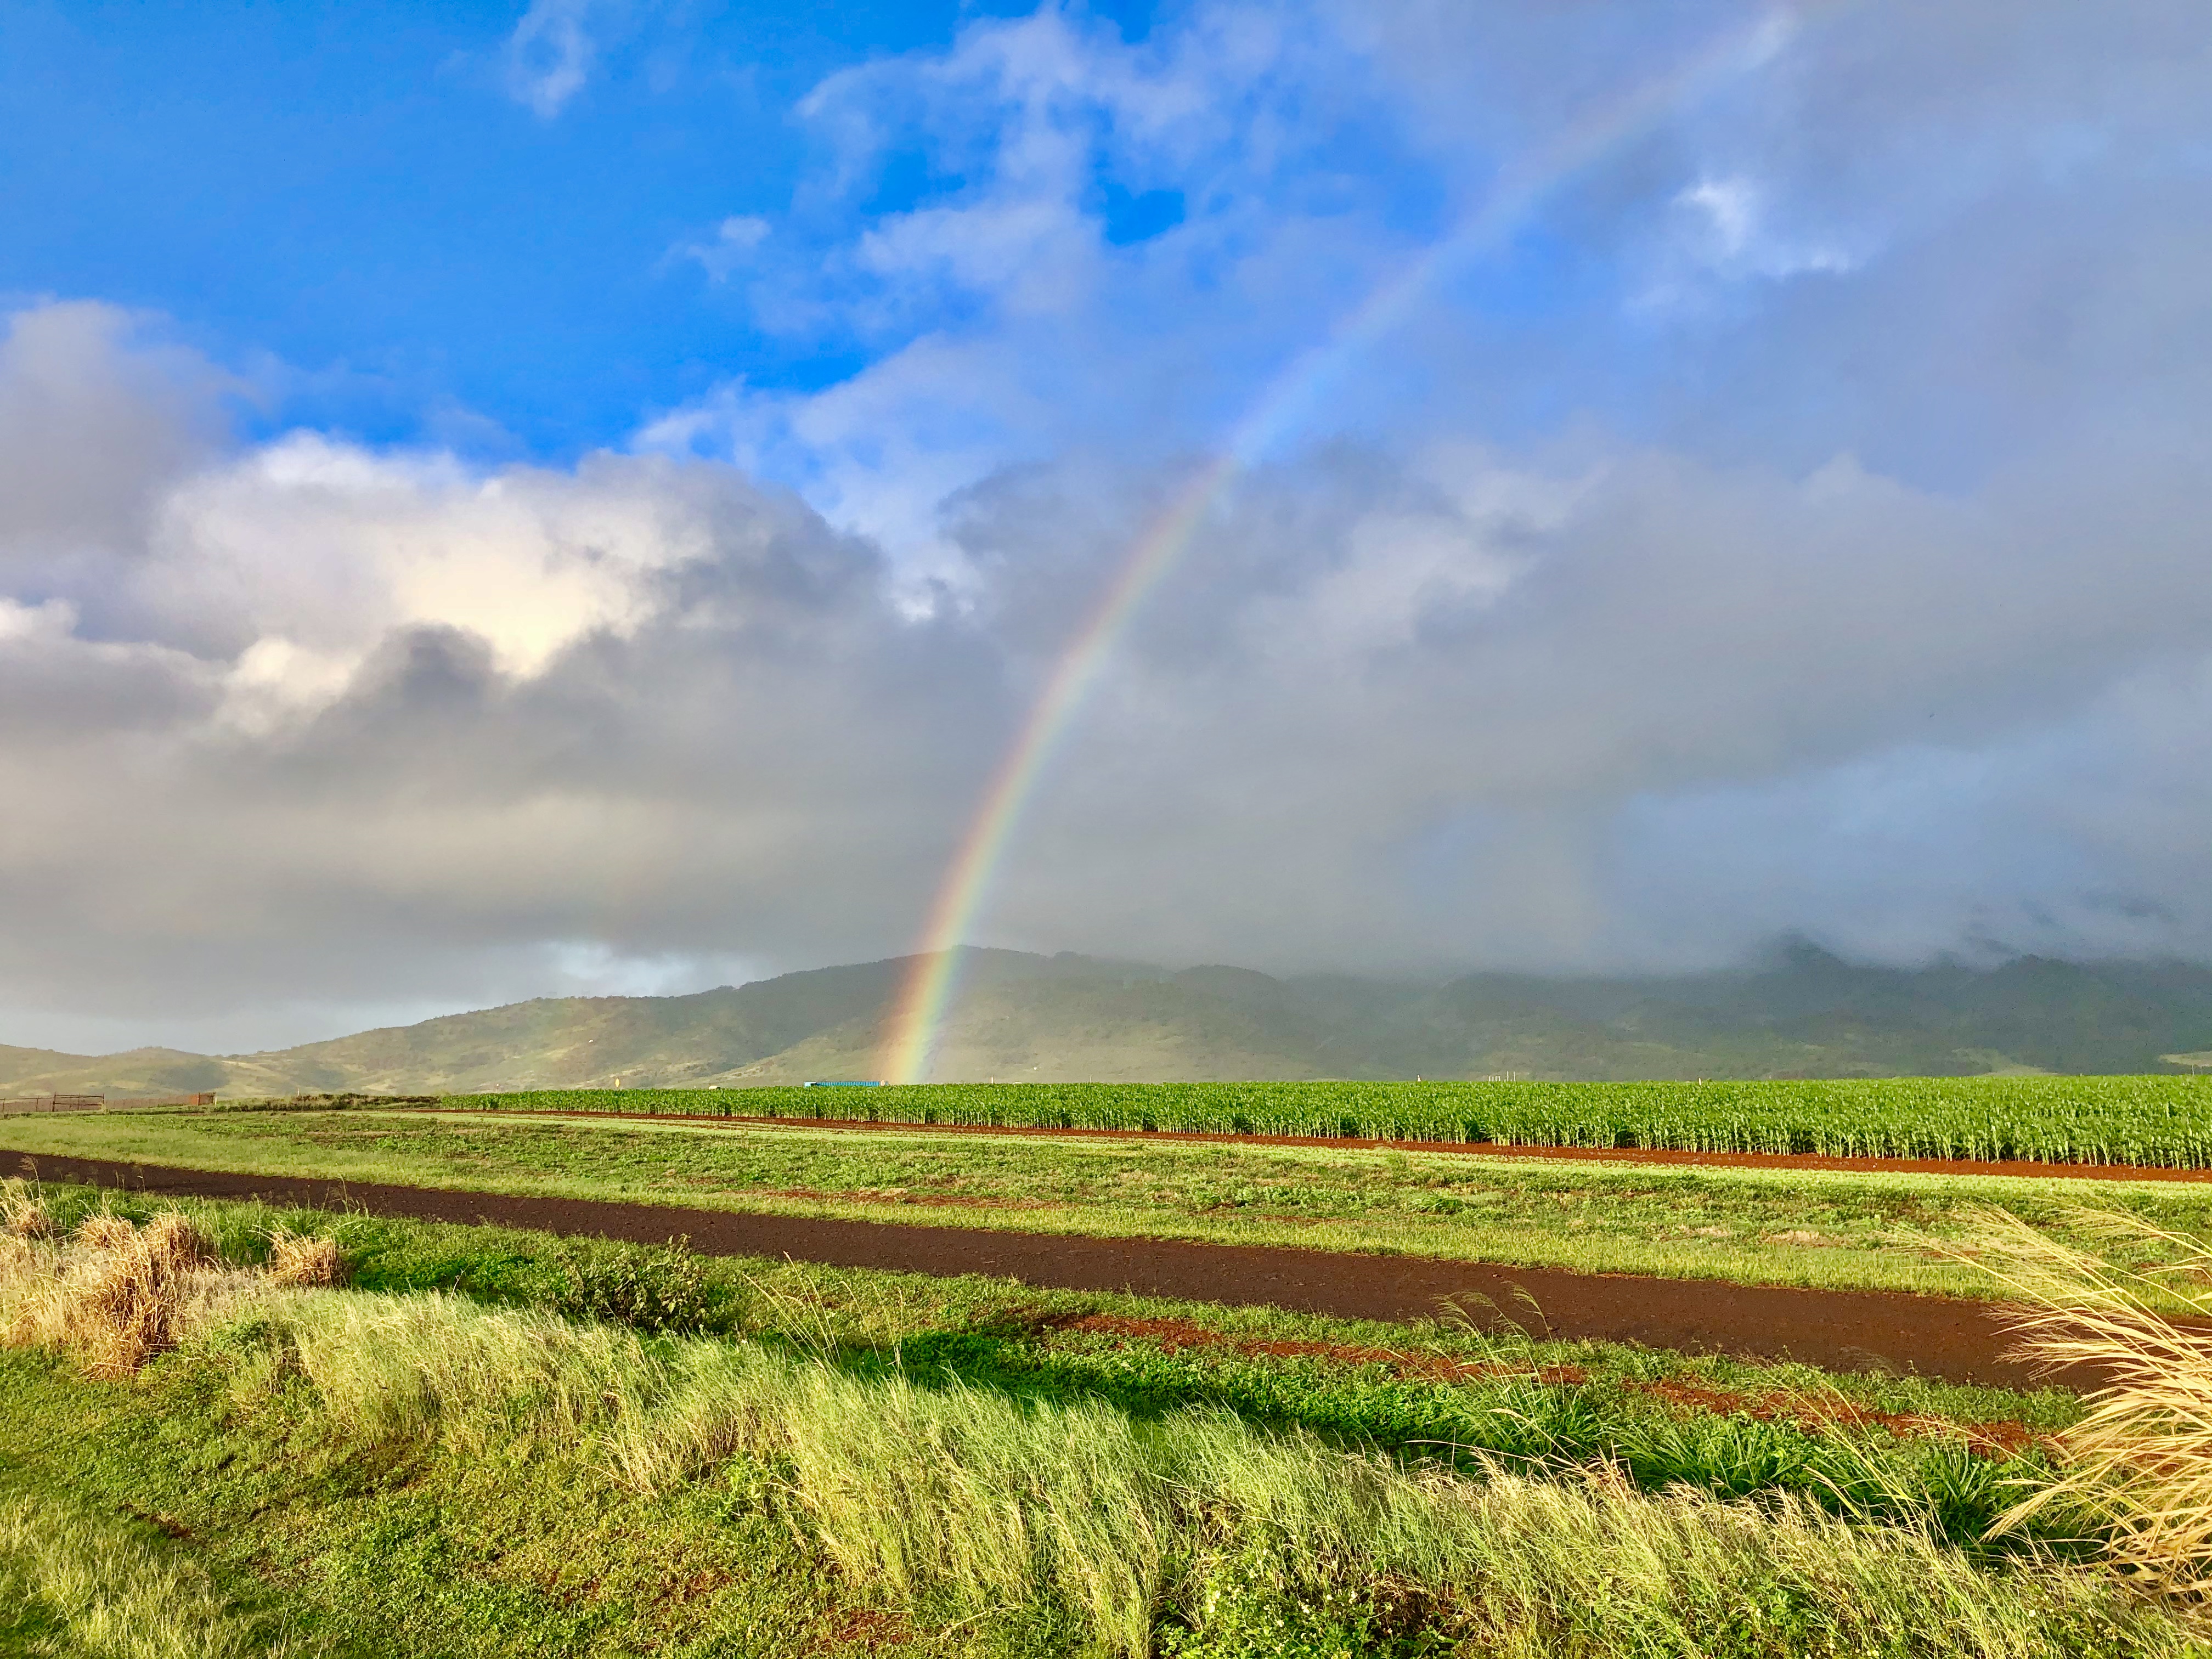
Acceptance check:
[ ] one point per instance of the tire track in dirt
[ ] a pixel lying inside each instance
(1839, 1330)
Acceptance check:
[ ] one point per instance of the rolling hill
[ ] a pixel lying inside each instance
(1067, 1017)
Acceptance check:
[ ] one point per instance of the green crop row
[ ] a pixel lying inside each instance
(2154, 1121)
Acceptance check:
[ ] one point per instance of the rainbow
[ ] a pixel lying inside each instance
(932, 980)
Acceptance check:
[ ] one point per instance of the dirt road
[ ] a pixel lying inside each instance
(1839, 1330)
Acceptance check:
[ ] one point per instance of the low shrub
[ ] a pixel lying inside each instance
(306, 1102)
(649, 1288)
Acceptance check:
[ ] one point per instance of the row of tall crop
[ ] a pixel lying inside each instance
(2154, 1121)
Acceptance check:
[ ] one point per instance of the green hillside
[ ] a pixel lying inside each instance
(1068, 1018)
(138, 1073)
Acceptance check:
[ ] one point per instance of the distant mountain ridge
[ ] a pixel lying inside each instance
(1037, 1018)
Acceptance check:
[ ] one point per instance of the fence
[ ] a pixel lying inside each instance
(55, 1103)
(99, 1102)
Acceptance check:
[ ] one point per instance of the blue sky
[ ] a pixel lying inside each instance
(387, 202)
(358, 191)
(579, 496)
(406, 224)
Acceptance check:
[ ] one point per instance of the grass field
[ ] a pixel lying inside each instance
(1792, 1227)
(602, 1450)
(2160, 1121)
(496, 1441)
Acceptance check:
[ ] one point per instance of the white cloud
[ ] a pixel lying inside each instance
(1002, 325)
(729, 249)
(552, 50)
(1572, 631)
(1733, 238)
(387, 716)
(326, 548)
(95, 414)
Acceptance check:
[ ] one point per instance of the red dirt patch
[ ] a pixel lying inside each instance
(1999, 1439)
(1838, 1330)
(867, 1630)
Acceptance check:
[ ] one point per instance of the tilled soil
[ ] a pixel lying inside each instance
(1942, 1166)
(1839, 1330)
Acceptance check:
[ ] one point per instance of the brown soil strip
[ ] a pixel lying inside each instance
(1943, 1166)
(1996, 1439)
(1838, 1330)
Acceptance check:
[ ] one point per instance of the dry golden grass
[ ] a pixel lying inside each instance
(22, 1212)
(2139, 1463)
(303, 1260)
(121, 1295)
(114, 1294)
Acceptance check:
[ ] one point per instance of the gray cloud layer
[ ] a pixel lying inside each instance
(1872, 600)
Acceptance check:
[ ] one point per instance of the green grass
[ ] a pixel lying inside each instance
(1438, 1392)
(2158, 1120)
(1839, 1229)
(381, 1553)
(418, 1474)
(1113, 1535)
(77, 1581)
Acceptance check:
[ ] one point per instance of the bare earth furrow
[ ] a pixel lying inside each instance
(1839, 1330)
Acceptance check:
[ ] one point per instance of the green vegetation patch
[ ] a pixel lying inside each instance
(760, 1458)
(79, 1580)
(393, 1551)
(2162, 1121)
(1439, 1392)
(1838, 1229)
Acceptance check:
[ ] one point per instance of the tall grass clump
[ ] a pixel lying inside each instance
(303, 1259)
(1194, 1532)
(1586, 1564)
(433, 1367)
(115, 1293)
(951, 1493)
(2138, 1464)
(23, 1213)
(106, 1589)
